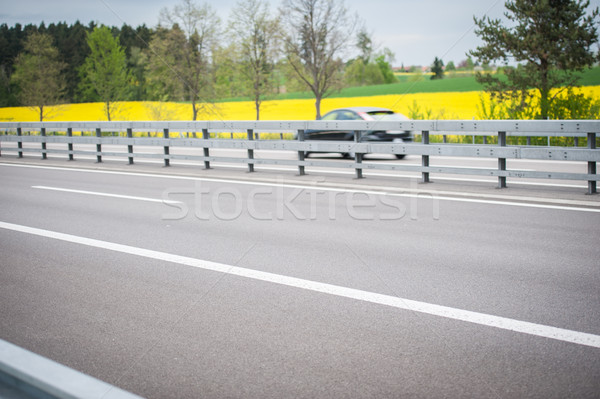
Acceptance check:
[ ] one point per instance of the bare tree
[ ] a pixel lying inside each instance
(200, 25)
(256, 34)
(319, 32)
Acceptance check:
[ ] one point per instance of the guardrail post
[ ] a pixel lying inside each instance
(70, 144)
(425, 158)
(99, 146)
(166, 148)
(130, 146)
(358, 156)
(43, 134)
(250, 151)
(206, 151)
(592, 165)
(19, 143)
(502, 161)
(301, 154)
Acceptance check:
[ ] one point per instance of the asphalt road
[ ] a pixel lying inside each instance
(171, 286)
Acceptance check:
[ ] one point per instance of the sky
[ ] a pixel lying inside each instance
(416, 31)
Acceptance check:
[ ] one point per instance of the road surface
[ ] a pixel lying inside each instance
(183, 285)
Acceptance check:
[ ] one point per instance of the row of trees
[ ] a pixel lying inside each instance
(191, 56)
(70, 41)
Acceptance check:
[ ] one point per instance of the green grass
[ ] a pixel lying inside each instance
(591, 77)
(410, 84)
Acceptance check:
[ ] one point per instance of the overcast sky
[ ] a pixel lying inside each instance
(415, 30)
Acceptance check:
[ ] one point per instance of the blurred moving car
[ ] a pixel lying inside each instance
(361, 114)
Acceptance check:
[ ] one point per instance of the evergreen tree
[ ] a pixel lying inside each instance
(551, 40)
(438, 69)
(11, 44)
(72, 45)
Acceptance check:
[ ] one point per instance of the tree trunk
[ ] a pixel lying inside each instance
(194, 110)
(544, 103)
(318, 106)
(107, 105)
(257, 104)
(195, 115)
(544, 90)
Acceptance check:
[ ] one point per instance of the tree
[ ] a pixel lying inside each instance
(361, 71)
(104, 74)
(38, 74)
(450, 66)
(135, 42)
(11, 44)
(192, 67)
(359, 74)
(164, 79)
(256, 34)
(73, 48)
(230, 80)
(466, 65)
(550, 39)
(318, 32)
(384, 61)
(438, 69)
(364, 44)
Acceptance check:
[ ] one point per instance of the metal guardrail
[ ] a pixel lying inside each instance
(24, 374)
(500, 129)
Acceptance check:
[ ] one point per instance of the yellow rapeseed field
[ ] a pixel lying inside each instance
(450, 105)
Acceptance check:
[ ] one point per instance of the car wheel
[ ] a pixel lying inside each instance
(400, 156)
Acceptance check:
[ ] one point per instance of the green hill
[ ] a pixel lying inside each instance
(410, 83)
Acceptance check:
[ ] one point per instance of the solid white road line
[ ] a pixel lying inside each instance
(129, 197)
(434, 195)
(539, 330)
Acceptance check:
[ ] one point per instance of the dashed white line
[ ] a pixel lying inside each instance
(96, 193)
(539, 330)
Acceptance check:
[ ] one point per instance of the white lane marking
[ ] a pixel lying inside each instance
(435, 195)
(483, 319)
(129, 197)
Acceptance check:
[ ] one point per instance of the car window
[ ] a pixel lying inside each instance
(348, 116)
(330, 116)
